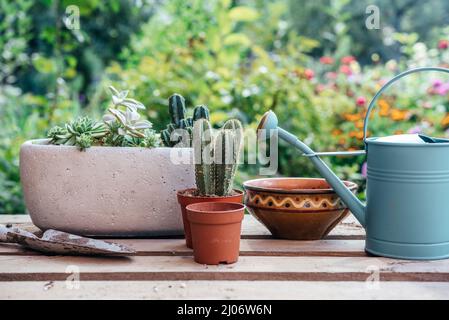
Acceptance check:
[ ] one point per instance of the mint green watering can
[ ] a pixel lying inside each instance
(406, 215)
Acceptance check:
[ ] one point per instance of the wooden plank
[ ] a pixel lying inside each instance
(260, 290)
(251, 228)
(41, 268)
(248, 247)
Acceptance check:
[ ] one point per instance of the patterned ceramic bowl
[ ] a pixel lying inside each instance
(296, 208)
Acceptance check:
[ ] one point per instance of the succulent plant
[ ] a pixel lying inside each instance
(174, 134)
(121, 127)
(82, 132)
(216, 156)
(149, 140)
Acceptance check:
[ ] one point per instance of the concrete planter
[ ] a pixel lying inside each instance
(104, 191)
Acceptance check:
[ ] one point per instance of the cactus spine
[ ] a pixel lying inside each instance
(174, 134)
(216, 157)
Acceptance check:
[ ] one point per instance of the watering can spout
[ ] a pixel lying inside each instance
(268, 127)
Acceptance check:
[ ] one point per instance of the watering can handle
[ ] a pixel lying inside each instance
(387, 85)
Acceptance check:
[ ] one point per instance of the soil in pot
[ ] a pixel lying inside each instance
(189, 196)
(215, 228)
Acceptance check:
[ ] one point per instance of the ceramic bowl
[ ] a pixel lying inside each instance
(296, 208)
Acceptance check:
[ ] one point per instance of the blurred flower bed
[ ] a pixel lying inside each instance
(240, 61)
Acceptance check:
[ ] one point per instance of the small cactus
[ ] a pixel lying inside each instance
(225, 162)
(203, 140)
(200, 112)
(216, 157)
(174, 134)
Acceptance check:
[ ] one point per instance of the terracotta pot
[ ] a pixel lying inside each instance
(215, 228)
(104, 191)
(185, 198)
(296, 208)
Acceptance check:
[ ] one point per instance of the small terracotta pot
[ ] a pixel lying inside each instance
(215, 228)
(185, 198)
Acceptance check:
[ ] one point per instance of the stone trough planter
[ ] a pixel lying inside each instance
(104, 191)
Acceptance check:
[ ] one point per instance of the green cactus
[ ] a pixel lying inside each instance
(172, 136)
(216, 157)
(224, 162)
(236, 127)
(200, 112)
(177, 108)
(203, 143)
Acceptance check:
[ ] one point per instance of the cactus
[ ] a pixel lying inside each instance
(224, 162)
(203, 140)
(174, 135)
(216, 157)
(200, 112)
(236, 127)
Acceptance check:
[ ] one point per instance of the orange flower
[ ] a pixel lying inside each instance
(399, 132)
(383, 104)
(384, 108)
(336, 132)
(356, 134)
(398, 115)
(342, 141)
(359, 124)
(445, 120)
(352, 117)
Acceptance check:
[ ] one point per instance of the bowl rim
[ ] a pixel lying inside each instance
(246, 185)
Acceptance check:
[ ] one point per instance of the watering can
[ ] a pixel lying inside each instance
(406, 214)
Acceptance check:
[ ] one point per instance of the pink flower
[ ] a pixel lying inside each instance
(346, 70)
(443, 44)
(415, 129)
(436, 83)
(443, 89)
(326, 60)
(309, 74)
(347, 59)
(361, 101)
(364, 170)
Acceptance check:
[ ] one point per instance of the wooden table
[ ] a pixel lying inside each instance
(334, 268)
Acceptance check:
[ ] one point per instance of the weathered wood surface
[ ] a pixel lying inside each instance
(163, 268)
(199, 290)
(251, 228)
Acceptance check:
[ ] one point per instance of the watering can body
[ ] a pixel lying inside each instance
(407, 209)
(406, 215)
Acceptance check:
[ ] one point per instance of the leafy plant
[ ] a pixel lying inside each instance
(82, 132)
(121, 127)
(216, 156)
(173, 135)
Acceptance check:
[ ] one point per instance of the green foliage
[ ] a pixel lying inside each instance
(216, 156)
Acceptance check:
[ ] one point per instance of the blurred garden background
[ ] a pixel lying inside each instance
(314, 62)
